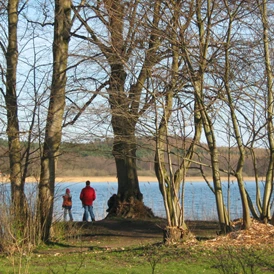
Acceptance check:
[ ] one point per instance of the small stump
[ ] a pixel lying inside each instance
(174, 234)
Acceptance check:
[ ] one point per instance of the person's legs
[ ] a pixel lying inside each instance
(70, 215)
(86, 212)
(65, 214)
(90, 209)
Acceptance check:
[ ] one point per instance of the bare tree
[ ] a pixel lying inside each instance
(53, 134)
(171, 180)
(227, 75)
(129, 47)
(17, 185)
(20, 137)
(204, 17)
(268, 189)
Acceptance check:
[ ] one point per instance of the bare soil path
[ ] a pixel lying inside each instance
(118, 233)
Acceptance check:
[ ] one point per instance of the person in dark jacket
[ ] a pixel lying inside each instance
(87, 196)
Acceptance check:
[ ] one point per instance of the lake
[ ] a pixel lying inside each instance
(199, 200)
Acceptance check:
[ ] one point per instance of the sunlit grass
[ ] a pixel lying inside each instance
(143, 259)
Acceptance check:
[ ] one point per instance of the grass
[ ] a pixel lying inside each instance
(107, 248)
(134, 260)
(142, 259)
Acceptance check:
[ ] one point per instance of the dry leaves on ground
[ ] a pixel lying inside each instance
(259, 234)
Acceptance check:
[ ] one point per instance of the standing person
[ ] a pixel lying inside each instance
(87, 197)
(67, 204)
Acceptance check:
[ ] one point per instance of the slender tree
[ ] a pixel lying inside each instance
(204, 17)
(268, 189)
(53, 134)
(171, 180)
(17, 185)
(227, 74)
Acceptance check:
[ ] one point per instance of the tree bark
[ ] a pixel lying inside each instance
(17, 185)
(171, 181)
(125, 34)
(268, 188)
(124, 152)
(241, 160)
(125, 108)
(53, 134)
(204, 36)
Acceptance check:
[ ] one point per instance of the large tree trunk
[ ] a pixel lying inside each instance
(124, 35)
(124, 152)
(125, 109)
(55, 115)
(123, 120)
(129, 199)
(128, 202)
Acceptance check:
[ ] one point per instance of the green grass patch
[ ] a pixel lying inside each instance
(143, 259)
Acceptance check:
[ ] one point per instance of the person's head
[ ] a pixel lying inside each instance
(67, 191)
(87, 183)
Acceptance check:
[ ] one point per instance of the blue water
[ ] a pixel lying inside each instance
(199, 203)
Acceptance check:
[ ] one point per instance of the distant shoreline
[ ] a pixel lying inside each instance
(113, 179)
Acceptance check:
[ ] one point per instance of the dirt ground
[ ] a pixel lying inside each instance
(117, 233)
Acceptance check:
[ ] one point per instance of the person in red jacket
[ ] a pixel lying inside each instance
(87, 196)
